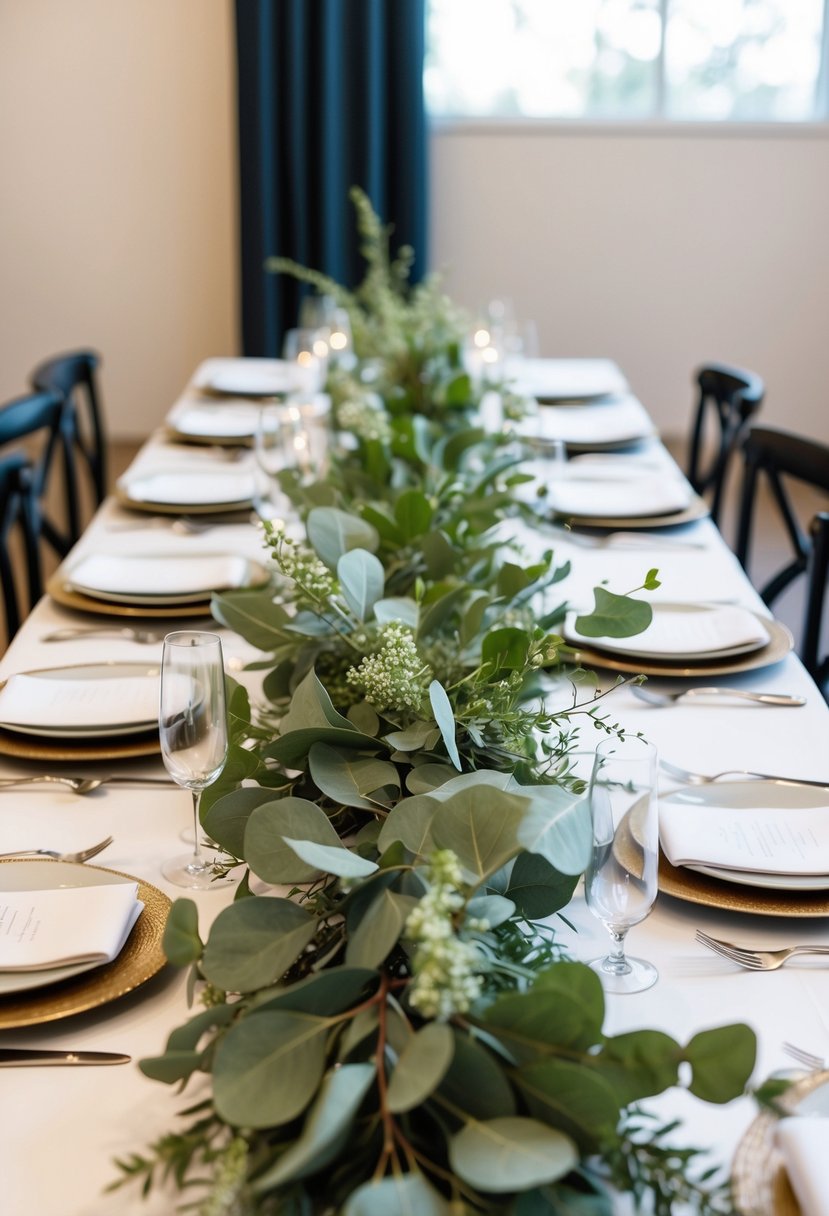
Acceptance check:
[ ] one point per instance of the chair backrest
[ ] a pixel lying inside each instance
(19, 534)
(43, 422)
(728, 398)
(74, 376)
(781, 458)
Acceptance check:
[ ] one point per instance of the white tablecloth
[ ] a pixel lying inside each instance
(63, 1127)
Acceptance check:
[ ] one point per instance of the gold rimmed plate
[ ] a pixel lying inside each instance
(759, 1184)
(240, 505)
(696, 509)
(778, 646)
(63, 594)
(696, 888)
(69, 751)
(141, 958)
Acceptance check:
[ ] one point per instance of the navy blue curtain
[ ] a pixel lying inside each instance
(330, 97)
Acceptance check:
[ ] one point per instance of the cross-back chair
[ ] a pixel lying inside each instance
(729, 398)
(19, 540)
(781, 458)
(74, 377)
(41, 424)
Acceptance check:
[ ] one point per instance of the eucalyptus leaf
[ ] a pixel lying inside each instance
(537, 888)
(292, 749)
(413, 513)
(311, 706)
(722, 1060)
(326, 1128)
(226, 820)
(268, 1066)
(333, 532)
(564, 1008)
(412, 738)
(181, 942)
(331, 859)
(397, 608)
(362, 578)
(476, 1081)
(614, 616)
(421, 1067)
(442, 709)
(556, 826)
(510, 1154)
(494, 909)
(481, 826)
(252, 943)
(401, 1195)
(379, 929)
(638, 1064)
(347, 778)
(428, 777)
(569, 1096)
(265, 849)
(253, 615)
(323, 992)
(410, 822)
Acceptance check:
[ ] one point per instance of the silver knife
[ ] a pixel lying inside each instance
(12, 1057)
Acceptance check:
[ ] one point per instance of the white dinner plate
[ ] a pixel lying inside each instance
(195, 489)
(749, 795)
(252, 378)
(196, 588)
(216, 421)
(635, 649)
(90, 671)
(48, 876)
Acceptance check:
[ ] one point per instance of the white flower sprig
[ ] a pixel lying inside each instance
(447, 968)
(395, 676)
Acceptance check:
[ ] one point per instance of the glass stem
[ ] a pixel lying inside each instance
(616, 963)
(197, 854)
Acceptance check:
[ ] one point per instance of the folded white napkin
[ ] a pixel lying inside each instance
(190, 487)
(803, 1143)
(41, 929)
(750, 839)
(618, 421)
(158, 574)
(564, 379)
(600, 493)
(205, 421)
(683, 629)
(55, 703)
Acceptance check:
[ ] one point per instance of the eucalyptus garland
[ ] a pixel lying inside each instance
(388, 1024)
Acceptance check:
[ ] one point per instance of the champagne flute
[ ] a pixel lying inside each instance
(621, 876)
(192, 723)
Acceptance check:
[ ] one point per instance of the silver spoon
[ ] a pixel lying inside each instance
(78, 785)
(670, 698)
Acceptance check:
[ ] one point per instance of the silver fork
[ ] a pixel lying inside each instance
(683, 774)
(755, 960)
(807, 1058)
(81, 855)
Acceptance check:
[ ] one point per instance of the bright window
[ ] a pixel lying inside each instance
(701, 60)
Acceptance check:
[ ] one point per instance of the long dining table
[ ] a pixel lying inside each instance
(64, 1127)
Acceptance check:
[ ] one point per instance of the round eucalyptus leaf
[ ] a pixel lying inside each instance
(572, 1098)
(511, 1154)
(421, 1066)
(268, 1066)
(265, 850)
(333, 532)
(722, 1060)
(331, 859)
(181, 942)
(379, 929)
(408, 1195)
(481, 826)
(362, 578)
(254, 942)
(326, 1129)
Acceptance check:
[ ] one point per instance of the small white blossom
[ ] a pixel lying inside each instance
(394, 676)
(299, 563)
(363, 419)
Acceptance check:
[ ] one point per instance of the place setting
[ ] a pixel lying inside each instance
(82, 711)
(757, 845)
(607, 426)
(686, 640)
(88, 935)
(167, 583)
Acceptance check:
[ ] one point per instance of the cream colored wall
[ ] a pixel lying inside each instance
(661, 252)
(117, 193)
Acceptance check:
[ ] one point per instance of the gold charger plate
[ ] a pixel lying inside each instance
(696, 509)
(238, 506)
(141, 958)
(779, 644)
(759, 1185)
(223, 441)
(32, 747)
(696, 888)
(69, 598)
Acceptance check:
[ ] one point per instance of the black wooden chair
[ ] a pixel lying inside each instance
(20, 566)
(41, 425)
(74, 377)
(728, 399)
(782, 458)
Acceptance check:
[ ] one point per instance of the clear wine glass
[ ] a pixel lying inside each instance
(621, 877)
(192, 724)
